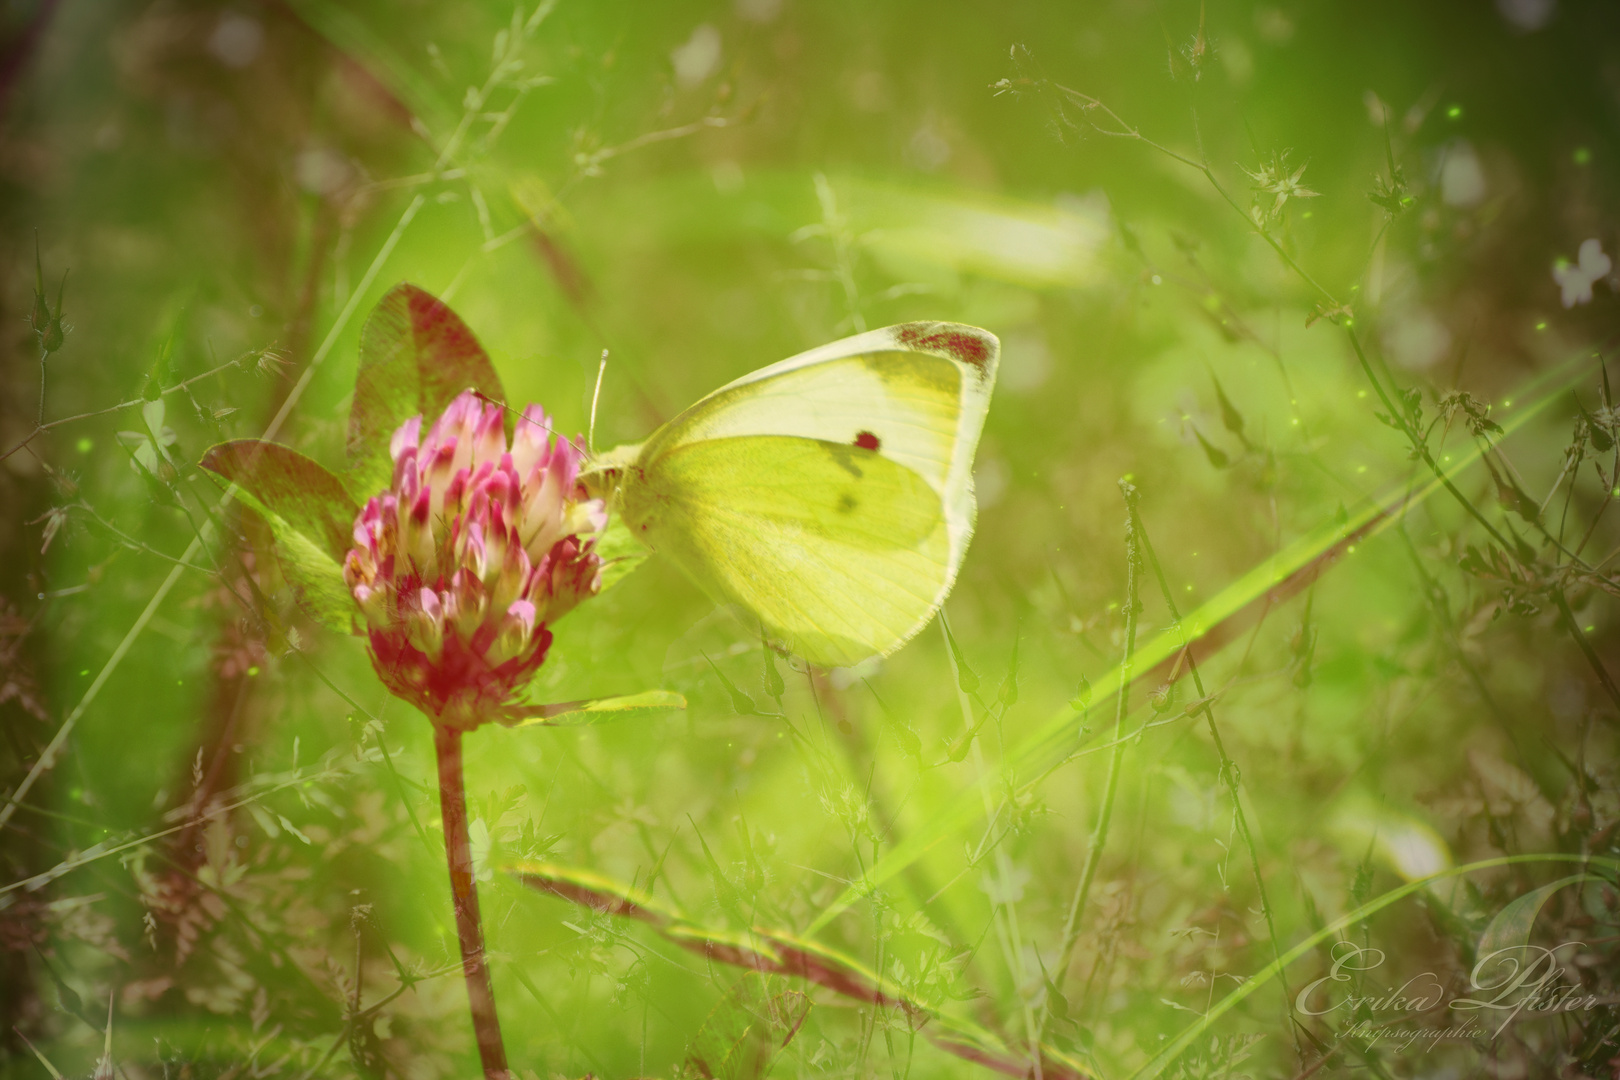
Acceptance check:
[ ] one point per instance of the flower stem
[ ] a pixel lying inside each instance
(464, 892)
(1099, 831)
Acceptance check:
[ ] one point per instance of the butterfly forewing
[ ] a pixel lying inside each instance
(831, 494)
(906, 405)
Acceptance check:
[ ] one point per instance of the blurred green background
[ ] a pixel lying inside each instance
(702, 189)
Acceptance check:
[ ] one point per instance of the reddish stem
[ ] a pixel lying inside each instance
(469, 928)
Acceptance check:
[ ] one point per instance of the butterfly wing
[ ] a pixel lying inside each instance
(830, 494)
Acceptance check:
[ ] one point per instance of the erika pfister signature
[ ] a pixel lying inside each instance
(1505, 984)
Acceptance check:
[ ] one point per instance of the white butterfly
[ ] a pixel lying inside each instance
(1576, 279)
(830, 494)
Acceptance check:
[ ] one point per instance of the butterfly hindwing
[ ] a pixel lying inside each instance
(833, 547)
(831, 494)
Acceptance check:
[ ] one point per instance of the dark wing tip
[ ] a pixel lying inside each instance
(964, 344)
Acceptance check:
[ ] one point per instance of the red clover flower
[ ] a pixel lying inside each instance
(460, 565)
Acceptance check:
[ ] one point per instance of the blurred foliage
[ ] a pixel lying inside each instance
(234, 841)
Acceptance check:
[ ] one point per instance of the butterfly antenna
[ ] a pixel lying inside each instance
(596, 395)
(518, 417)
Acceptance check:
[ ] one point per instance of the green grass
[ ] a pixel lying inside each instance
(232, 830)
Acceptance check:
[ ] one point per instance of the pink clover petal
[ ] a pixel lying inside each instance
(496, 486)
(571, 456)
(489, 439)
(466, 428)
(522, 612)
(494, 555)
(405, 464)
(421, 508)
(496, 514)
(472, 547)
(459, 417)
(440, 466)
(529, 439)
(409, 481)
(430, 603)
(407, 437)
(364, 535)
(454, 494)
(510, 583)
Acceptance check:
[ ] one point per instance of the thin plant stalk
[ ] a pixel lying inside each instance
(1230, 776)
(1420, 446)
(464, 893)
(1099, 834)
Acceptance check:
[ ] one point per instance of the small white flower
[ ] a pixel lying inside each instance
(1576, 279)
(1008, 889)
(698, 58)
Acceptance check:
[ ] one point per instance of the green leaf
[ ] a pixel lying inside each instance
(293, 487)
(966, 678)
(1601, 441)
(43, 1060)
(785, 953)
(741, 703)
(315, 576)
(770, 678)
(1231, 419)
(1082, 696)
(416, 355)
(580, 713)
(1217, 456)
(1512, 925)
(310, 514)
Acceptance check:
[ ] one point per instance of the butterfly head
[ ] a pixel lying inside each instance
(603, 473)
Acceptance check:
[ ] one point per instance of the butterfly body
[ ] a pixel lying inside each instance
(830, 494)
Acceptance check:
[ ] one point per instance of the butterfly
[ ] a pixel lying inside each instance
(830, 494)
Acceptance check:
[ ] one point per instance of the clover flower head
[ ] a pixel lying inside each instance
(475, 548)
